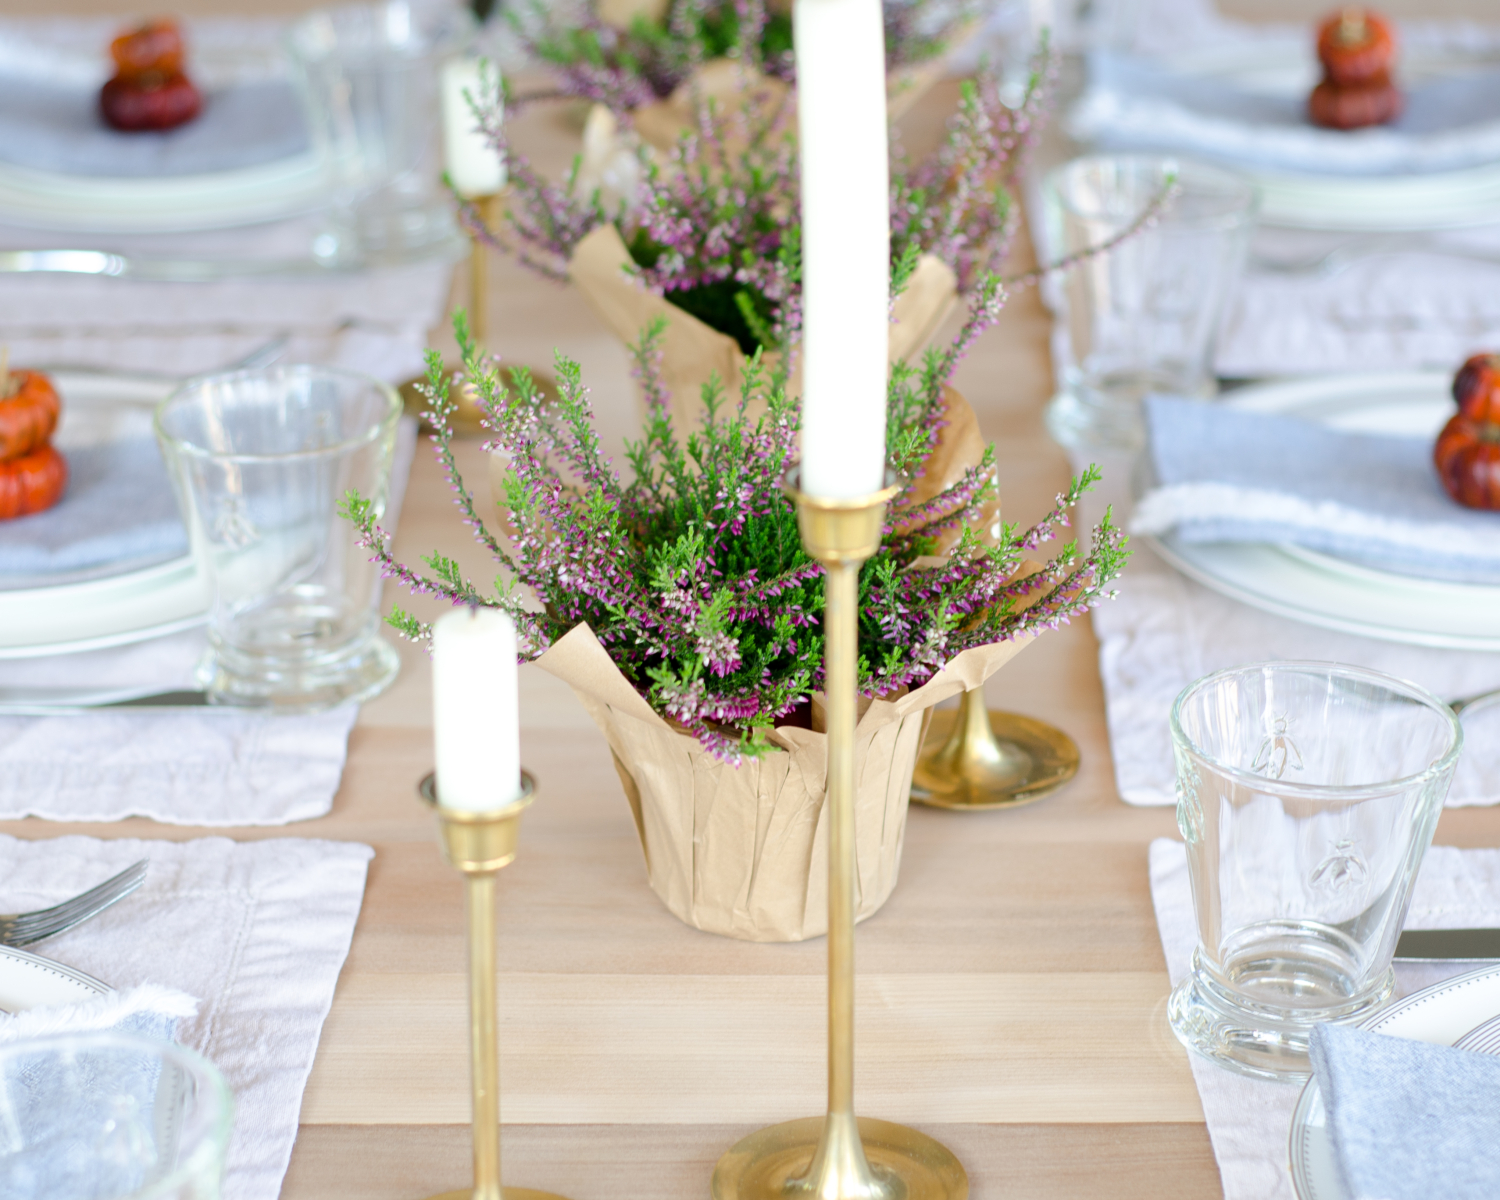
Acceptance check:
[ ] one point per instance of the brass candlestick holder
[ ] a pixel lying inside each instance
(479, 845)
(488, 208)
(973, 759)
(839, 1156)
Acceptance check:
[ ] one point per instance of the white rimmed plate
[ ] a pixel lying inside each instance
(169, 204)
(1319, 589)
(128, 602)
(30, 981)
(1440, 1015)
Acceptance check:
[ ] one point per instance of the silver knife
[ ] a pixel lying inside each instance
(48, 702)
(1442, 945)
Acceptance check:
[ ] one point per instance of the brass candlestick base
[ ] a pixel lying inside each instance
(511, 1193)
(840, 1157)
(479, 845)
(974, 759)
(904, 1164)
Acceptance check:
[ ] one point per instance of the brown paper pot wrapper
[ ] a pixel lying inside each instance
(742, 851)
(691, 351)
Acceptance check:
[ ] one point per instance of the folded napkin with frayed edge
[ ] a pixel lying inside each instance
(1223, 475)
(147, 1009)
(1408, 1120)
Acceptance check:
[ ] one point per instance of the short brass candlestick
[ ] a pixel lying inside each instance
(480, 844)
(840, 1157)
(973, 759)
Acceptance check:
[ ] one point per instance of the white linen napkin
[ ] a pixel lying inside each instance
(205, 766)
(1398, 302)
(1249, 1119)
(1164, 631)
(258, 931)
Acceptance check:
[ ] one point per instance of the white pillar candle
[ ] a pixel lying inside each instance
(846, 237)
(475, 711)
(472, 163)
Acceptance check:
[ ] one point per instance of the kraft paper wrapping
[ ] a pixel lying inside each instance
(691, 351)
(742, 851)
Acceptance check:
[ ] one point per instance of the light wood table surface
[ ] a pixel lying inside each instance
(1011, 994)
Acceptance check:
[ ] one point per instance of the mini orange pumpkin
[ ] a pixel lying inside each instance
(1337, 107)
(1356, 46)
(153, 46)
(32, 483)
(28, 413)
(1467, 456)
(1476, 388)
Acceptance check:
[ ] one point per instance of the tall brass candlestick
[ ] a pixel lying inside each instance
(479, 844)
(840, 1157)
(479, 269)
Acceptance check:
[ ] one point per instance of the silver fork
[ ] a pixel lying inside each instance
(22, 929)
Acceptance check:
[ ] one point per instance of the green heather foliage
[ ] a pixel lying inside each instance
(692, 574)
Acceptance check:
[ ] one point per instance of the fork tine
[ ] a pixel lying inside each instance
(48, 922)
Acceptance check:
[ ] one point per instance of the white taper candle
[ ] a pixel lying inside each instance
(475, 710)
(472, 163)
(846, 236)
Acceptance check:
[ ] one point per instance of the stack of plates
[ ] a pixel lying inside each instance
(246, 159)
(127, 600)
(1318, 588)
(1442, 1015)
(1277, 73)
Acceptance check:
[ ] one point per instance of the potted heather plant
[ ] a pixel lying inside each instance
(641, 59)
(709, 238)
(680, 606)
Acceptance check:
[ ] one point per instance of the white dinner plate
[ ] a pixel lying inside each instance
(1319, 589)
(30, 981)
(1407, 202)
(169, 204)
(1440, 1015)
(131, 602)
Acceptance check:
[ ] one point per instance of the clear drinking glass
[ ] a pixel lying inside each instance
(368, 76)
(1143, 317)
(261, 460)
(1307, 793)
(110, 1116)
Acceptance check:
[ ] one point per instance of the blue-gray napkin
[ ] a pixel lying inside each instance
(1409, 1121)
(118, 508)
(57, 127)
(90, 1124)
(1224, 475)
(1137, 103)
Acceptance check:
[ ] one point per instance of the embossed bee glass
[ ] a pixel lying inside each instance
(110, 1116)
(261, 460)
(1307, 794)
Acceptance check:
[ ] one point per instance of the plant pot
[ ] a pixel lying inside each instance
(601, 268)
(742, 851)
